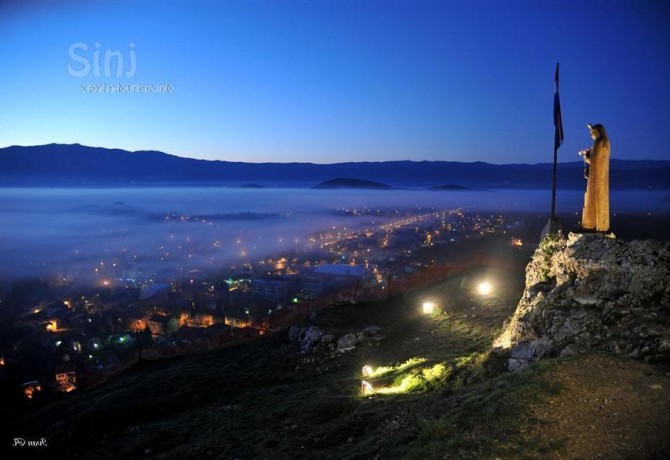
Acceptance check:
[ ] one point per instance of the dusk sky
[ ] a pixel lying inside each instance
(327, 82)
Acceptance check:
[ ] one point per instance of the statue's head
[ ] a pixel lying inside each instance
(598, 132)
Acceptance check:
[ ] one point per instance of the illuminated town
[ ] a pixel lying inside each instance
(65, 335)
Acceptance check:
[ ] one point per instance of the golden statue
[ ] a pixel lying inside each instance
(596, 212)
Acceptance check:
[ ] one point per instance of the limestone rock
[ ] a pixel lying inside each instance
(592, 292)
(327, 338)
(311, 337)
(373, 330)
(346, 342)
(295, 333)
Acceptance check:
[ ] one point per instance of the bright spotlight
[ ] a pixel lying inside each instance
(428, 308)
(367, 371)
(484, 288)
(366, 388)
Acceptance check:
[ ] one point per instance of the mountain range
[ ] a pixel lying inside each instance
(78, 165)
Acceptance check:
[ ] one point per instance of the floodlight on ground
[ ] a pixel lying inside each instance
(366, 388)
(484, 288)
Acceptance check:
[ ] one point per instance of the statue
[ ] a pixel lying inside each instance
(596, 212)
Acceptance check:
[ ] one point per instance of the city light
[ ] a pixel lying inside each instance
(484, 288)
(367, 371)
(428, 308)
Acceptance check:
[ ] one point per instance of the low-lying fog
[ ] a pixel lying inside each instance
(141, 233)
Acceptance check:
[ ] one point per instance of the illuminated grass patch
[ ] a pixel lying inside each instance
(416, 381)
(380, 371)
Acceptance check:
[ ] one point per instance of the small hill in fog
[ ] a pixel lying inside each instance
(454, 187)
(344, 182)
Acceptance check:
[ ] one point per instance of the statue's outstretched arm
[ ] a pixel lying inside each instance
(587, 155)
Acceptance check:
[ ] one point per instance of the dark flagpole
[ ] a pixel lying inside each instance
(558, 140)
(553, 186)
(553, 226)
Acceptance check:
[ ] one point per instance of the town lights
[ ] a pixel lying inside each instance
(484, 288)
(428, 308)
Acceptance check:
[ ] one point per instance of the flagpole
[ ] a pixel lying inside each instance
(558, 140)
(553, 188)
(553, 225)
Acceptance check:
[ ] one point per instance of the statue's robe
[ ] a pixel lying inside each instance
(596, 212)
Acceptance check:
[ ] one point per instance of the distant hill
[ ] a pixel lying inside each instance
(352, 183)
(78, 165)
(450, 187)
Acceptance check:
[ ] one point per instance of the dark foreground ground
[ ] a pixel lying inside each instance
(442, 394)
(450, 399)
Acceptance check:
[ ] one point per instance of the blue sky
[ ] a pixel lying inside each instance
(341, 81)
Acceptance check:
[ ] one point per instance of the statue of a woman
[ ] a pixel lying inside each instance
(596, 212)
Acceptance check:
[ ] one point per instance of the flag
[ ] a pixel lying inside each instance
(558, 122)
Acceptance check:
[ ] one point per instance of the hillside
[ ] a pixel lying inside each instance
(437, 388)
(78, 165)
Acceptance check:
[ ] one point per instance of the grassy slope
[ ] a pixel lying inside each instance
(265, 400)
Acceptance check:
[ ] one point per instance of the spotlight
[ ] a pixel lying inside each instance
(484, 288)
(428, 308)
(366, 388)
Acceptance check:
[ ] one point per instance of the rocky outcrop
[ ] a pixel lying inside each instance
(592, 292)
(346, 343)
(311, 339)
